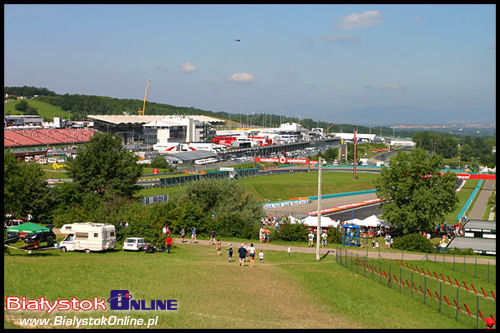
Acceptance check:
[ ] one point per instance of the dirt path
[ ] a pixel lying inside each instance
(479, 207)
(370, 253)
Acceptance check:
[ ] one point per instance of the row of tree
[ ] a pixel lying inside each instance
(475, 149)
(28, 91)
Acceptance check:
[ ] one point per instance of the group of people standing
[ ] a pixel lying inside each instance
(244, 252)
(323, 236)
(264, 235)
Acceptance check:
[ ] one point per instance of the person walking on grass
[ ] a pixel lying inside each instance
(261, 256)
(251, 251)
(242, 254)
(230, 252)
(218, 246)
(168, 241)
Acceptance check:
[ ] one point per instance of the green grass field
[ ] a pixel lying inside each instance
(282, 292)
(45, 110)
(286, 186)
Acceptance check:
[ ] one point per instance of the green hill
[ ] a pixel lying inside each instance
(45, 110)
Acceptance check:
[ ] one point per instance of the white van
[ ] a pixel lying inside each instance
(88, 236)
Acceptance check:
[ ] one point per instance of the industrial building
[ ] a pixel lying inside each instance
(359, 136)
(139, 128)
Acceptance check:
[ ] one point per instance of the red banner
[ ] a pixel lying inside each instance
(282, 160)
(472, 176)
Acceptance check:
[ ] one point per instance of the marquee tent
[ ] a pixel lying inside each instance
(373, 221)
(355, 222)
(326, 222)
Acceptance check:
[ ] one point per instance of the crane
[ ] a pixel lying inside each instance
(329, 128)
(141, 112)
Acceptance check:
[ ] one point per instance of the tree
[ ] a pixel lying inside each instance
(22, 106)
(103, 166)
(25, 190)
(224, 205)
(160, 162)
(418, 196)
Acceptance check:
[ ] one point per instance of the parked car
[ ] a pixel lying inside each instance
(134, 244)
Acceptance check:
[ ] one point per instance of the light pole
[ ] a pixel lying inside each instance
(320, 162)
(459, 156)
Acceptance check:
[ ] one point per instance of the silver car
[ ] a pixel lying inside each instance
(134, 244)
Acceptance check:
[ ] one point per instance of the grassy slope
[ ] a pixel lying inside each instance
(278, 187)
(47, 111)
(284, 292)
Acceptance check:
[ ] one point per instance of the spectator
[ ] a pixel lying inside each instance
(261, 256)
(388, 240)
(193, 234)
(168, 241)
(126, 225)
(164, 231)
(230, 252)
(183, 235)
(429, 235)
(252, 254)
(218, 245)
(168, 230)
(242, 254)
(311, 239)
(262, 236)
(212, 237)
(324, 238)
(268, 233)
(246, 249)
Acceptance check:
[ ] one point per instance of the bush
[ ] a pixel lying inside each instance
(460, 252)
(334, 236)
(413, 242)
(292, 232)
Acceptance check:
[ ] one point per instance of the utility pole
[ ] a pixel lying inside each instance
(355, 143)
(319, 208)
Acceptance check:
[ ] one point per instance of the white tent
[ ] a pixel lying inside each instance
(371, 221)
(326, 222)
(355, 222)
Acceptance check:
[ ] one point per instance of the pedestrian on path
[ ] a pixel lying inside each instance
(193, 234)
(311, 239)
(212, 237)
(183, 235)
(261, 256)
(324, 237)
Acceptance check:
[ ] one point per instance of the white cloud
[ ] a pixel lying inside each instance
(187, 67)
(359, 21)
(242, 77)
(339, 38)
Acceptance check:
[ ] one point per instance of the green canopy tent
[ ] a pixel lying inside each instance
(28, 228)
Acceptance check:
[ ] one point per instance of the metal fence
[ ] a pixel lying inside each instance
(155, 199)
(175, 181)
(449, 292)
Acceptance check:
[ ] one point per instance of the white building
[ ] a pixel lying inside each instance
(361, 137)
(400, 142)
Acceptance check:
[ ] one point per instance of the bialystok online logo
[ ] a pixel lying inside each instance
(118, 300)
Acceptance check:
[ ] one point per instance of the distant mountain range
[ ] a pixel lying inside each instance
(408, 115)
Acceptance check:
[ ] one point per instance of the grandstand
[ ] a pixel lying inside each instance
(42, 137)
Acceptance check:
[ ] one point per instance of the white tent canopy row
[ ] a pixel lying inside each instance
(312, 221)
(370, 221)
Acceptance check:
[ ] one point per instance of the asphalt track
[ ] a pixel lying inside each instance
(479, 207)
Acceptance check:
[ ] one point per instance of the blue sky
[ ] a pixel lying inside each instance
(326, 62)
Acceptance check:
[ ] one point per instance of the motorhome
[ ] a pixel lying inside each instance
(88, 236)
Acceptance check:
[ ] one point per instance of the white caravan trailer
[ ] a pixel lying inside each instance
(88, 236)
